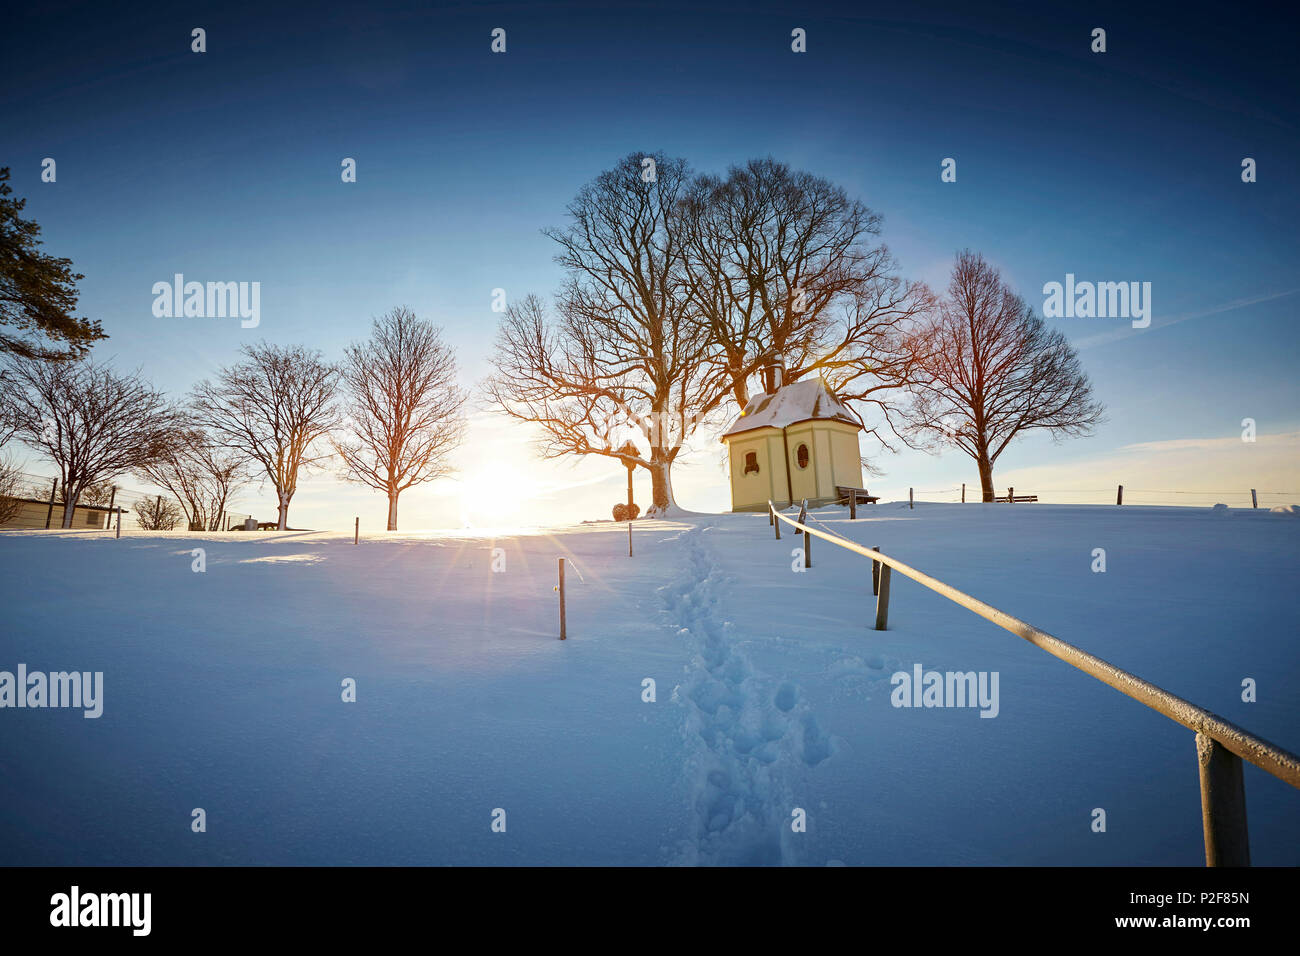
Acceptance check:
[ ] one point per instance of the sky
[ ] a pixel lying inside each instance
(1116, 166)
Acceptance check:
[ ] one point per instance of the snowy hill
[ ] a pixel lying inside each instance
(222, 691)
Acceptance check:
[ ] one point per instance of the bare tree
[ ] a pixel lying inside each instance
(785, 266)
(404, 410)
(8, 406)
(273, 409)
(626, 351)
(157, 513)
(201, 474)
(11, 491)
(993, 371)
(90, 421)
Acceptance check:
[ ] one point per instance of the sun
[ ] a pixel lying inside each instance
(493, 495)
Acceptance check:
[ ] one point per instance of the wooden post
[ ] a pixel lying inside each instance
(356, 531)
(49, 515)
(963, 492)
(108, 522)
(807, 550)
(853, 506)
(1119, 496)
(776, 522)
(875, 575)
(803, 511)
(1223, 804)
(1011, 496)
(119, 524)
(629, 539)
(1254, 502)
(561, 590)
(882, 599)
(909, 497)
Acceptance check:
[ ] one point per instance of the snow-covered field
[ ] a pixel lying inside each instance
(222, 691)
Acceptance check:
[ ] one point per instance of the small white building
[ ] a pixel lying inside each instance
(798, 442)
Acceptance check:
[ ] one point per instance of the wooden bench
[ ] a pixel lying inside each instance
(852, 496)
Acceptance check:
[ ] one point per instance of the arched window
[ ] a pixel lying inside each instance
(801, 456)
(751, 462)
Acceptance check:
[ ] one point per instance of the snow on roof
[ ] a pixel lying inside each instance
(796, 402)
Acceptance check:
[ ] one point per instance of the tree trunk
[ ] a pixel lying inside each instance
(986, 473)
(284, 512)
(69, 509)
(661, 484)
(392, 510)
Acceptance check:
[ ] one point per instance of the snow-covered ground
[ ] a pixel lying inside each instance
(222, 690)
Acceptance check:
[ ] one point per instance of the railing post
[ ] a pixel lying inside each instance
(1223, 804)
(875, 574)
(807, 550)
(882, 599)
(561, 590)
(776, 522)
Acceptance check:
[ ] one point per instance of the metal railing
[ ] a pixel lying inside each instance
(1220, 744)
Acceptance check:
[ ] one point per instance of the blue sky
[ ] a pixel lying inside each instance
(1116, 166)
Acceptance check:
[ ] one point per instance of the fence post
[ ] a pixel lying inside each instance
(356, 531)
(909, 497)
(882, 599)
(1119, 496)
(1254, 503)
(853, 506)
(119, 524)
(875, 575)
(629, 538)
(807, 549)
(1011, 495)
(108, 522)
(963, 492)
(561, 590)
(54, 490)
(803, 511)
(776, 522)
(1223, 804)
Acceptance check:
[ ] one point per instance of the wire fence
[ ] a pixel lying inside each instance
(41, 505)
(1180, 497)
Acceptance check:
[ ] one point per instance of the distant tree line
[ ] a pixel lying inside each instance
(679, 290)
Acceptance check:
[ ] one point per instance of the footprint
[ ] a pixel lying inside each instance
(786, 697)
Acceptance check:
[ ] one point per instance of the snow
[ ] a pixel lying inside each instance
(222, 691)
(796, 402)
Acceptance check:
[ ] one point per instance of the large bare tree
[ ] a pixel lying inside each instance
(625, 358)
(993, 371)
(92, 422)
(786, 267)
(273, 409)
(404, 409)
(201, 474)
